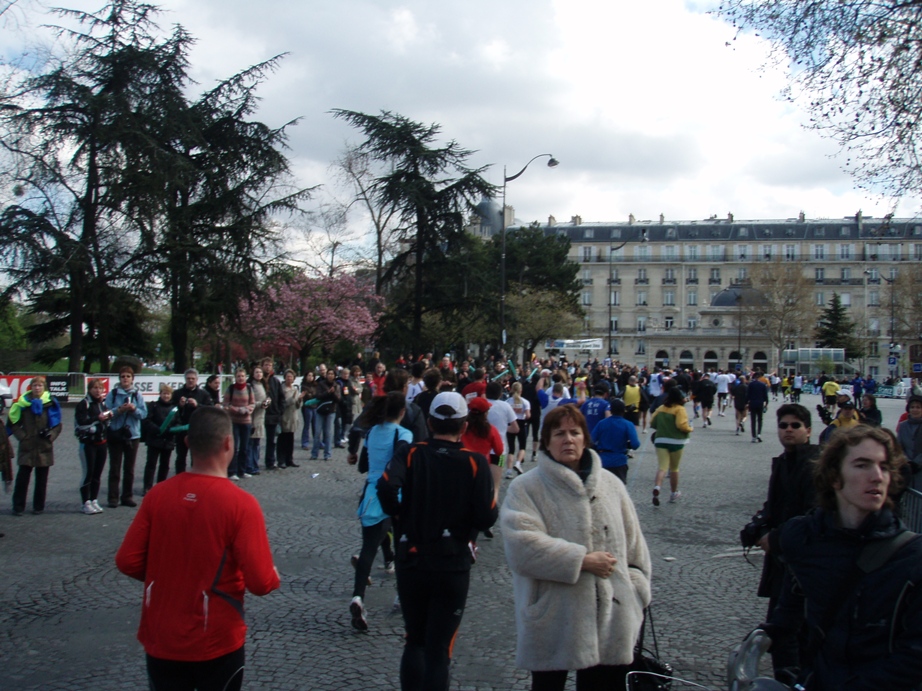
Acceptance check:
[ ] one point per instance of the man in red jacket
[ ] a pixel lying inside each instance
(198, 542)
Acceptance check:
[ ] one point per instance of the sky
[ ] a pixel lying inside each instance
(651, 107)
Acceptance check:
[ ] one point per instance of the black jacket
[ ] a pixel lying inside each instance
(276, 403)
(86, 417)
(201, 397)
(791, 493)
(440, 496)
(157, 412)
(875, 640)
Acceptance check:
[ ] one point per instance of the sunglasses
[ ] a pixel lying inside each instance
(792, 425)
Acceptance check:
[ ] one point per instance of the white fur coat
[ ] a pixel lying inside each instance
(567, 618)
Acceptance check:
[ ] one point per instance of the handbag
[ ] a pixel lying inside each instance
(651, 672)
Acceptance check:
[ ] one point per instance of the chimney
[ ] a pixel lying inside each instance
(551, 221)
(801, 217)
(730, 217)
(859, 219)
(576, 220)
(662, 219)
(630, 219)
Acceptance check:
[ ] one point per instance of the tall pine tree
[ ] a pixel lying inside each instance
(837, 330)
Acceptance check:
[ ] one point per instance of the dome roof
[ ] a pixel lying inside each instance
(733, 295)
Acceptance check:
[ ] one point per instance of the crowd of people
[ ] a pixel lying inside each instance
(436, 440)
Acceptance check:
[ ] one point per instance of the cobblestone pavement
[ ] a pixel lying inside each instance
(68, 618)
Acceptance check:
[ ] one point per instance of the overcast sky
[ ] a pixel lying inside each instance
(645, 105)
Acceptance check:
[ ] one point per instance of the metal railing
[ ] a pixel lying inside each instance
(911, 509)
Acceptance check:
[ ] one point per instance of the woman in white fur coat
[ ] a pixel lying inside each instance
(580, 564)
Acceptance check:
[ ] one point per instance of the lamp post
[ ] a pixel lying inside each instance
(611, 253)
(552, 163)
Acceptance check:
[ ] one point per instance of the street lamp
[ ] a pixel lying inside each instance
(552, 163)
(893, 347)
(611, 253)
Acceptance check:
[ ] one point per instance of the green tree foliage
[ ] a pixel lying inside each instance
(127, 185)
(12, 331)
(836, 330)
(857, 66)
(429, 187)
(71, 130)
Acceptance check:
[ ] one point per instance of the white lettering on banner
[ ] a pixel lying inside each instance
(18, 384)
(149, 385)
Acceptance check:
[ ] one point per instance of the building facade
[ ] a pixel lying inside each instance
(662, 292)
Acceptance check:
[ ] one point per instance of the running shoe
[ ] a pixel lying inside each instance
(357, 610)
(656, 496)
(674, 497)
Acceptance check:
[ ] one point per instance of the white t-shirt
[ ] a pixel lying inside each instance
(520, 409)
(414, 390)
(723, 383)
(501, 416)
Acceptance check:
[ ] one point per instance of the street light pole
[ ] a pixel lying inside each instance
(552, 163)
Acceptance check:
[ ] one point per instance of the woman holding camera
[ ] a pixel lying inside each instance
(92, 417)
(128, 410)
(36, 422)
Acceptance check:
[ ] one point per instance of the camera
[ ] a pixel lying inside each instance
(753, 531)
(45, 433)
(824, 414)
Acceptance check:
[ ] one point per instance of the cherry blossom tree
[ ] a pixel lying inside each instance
(304, 313)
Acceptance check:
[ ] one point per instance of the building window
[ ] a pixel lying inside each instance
(742, 251)
(669, 253)
(693, 322)
(894, 272)
(614, 274)
(615, 254)
(613, 325)
(668, 323)
(588, 233)
(642, 252)
(691, 253)
(669, 298)
(819, 232)
(874, 275)
(874, 371)
(874, 327)
(790, 253)
(641, 324)
(641, 348)
(846, 274)
(742, 273)
(716, 253)
(820, 299)
(671, 234)
(767, 252)
(873, 349)
(819, 251)
(744, 232)
(693, 297)
(587, 253)
(693, 273)
(670, 275)
(641, 297)
(846, 299)
(715, 274)
(587, 297)
(845, 251)
(917, 252)
(873, 298)
(587, 276)
(819, 275)
(844, 231)
(614, 298)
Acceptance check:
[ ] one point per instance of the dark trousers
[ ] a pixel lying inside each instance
(23, 475)
(122, 457)
(286, 449)
(181, 452)
(598, 678)
(755, 420)
(224, 673)
(238, 466)
(433, 604)
(619, 471)
(372, 537)
(157, 460)
(535, 422)
(271, 433)
(94, 456)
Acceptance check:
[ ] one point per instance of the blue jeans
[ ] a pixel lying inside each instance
(308, 414)
(238, 466)
(253, 455)
(323, 427)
